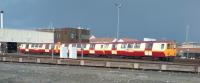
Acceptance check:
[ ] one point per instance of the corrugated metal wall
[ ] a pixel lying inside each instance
(28, 36)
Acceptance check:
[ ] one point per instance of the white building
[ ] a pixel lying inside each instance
(25, 36)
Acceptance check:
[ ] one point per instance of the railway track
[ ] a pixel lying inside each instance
(182, 66)
(176, 60)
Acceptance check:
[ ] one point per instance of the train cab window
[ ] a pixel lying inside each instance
(168, 46)
(137, 45)
(162, 46)
(130, 45)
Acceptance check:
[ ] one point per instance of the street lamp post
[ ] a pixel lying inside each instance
(118, 6)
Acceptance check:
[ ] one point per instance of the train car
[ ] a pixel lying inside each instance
(164, 49)
(121, 49)
(109, 49)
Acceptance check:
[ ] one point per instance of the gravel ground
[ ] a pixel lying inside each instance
(42, 73)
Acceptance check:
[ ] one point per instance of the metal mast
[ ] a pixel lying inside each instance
(118, 6)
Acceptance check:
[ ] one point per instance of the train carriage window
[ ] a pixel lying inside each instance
(46, 46)
(78, 45)
(106, 45)
(148, 45)
(123, 46)
(101, 46)
(40, 45)
(162, 46)
(26, 46)
(113, 46)
(35, 45)
(32, 45)
(130, 45)
(83, 45)
(92, 45)
(73, 45)
(137, 45)
(66, 45)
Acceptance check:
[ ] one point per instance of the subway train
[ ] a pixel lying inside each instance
(154, 49)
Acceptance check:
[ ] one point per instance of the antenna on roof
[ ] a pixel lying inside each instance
(51, 26)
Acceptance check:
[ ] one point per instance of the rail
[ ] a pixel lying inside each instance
(159, 66)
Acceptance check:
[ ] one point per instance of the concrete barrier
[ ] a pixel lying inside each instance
(4, 58)
(82, 62)
(135, 65)
(95, 63)
(38, 60)
(198, 69)
(149, 66)
(20, 60)
(121, 64)
(181, 68)
(163, 67)
(58, 61)
(107, 64)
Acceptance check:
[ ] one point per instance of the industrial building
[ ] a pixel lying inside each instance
(69, 35)
(188, 50)
(11, 38)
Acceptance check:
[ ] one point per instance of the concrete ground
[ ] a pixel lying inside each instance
(42, 73)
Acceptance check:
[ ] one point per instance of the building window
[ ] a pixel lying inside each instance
(72, 35)
(57, 35)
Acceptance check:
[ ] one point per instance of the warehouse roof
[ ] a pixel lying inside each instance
(27, 36)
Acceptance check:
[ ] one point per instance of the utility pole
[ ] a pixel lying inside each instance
(52, 47)
(1, 16)
(187, 39)
(187, 34)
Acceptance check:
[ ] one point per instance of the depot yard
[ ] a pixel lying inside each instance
(43, 73)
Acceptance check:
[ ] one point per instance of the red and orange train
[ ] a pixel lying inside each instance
(154, 49)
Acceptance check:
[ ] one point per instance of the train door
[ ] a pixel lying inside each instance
(114, 49)
(148, 49)
(121, 49)
(85, 48)
(91, 50)
(46, 48)
(108, 49)
(130, 49)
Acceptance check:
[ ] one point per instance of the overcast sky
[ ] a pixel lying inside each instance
(163, 19)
